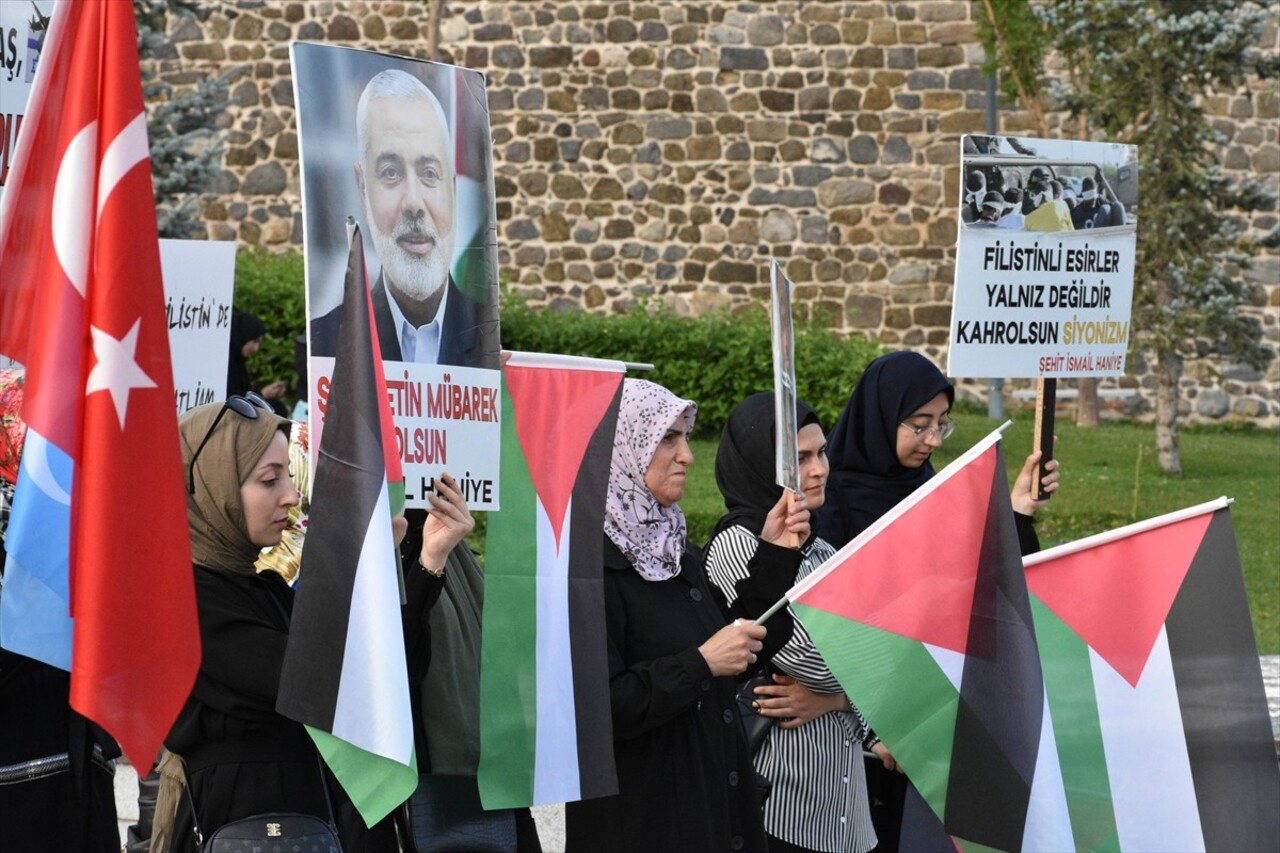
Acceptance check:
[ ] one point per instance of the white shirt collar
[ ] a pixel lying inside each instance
(419, 344)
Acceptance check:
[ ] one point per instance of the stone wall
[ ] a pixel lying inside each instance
(671, 149)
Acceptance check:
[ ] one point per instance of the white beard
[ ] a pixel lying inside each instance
(417, 277)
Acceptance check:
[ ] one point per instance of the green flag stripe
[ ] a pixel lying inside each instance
(1068, 676)
(508, 652)
(917, 725)
(377, 785)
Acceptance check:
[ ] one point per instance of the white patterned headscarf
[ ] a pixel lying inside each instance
(650, 535)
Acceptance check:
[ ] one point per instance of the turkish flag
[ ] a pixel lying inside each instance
(82, 306)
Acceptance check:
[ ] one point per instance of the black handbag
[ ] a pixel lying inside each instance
(754, 725)
(276, 832)
(445, 816)
(271, 832)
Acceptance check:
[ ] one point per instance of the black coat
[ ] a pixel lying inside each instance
(468, 335)
(244, 758)
(685, 777)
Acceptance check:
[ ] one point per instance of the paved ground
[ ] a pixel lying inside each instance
(550, 819)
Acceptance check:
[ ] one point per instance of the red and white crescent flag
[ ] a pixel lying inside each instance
(82, 306)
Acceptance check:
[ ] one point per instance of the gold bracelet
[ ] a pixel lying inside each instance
(428, 570)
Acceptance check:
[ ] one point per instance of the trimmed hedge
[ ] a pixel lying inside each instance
(270, 286)
(716, 359)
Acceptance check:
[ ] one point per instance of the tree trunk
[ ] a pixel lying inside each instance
(1087, 402)
(1168, 370)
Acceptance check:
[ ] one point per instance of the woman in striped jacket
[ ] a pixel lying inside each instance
(814, 755)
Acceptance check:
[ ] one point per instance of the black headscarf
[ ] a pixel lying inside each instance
(244, 328)
(745, 461)
(866, 478)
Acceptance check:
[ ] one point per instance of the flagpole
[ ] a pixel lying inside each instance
(1124, 532)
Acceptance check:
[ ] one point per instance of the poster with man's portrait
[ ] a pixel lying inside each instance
(403, 147)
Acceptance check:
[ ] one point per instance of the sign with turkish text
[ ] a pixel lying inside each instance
(1044, 265)
(403, 147)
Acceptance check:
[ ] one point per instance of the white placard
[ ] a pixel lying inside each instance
(20, 46)
(1044, 274)
(199, 279)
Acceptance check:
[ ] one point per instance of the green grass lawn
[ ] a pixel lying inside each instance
(1110, 477)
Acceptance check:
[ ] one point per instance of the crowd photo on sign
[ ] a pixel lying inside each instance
(346, 528)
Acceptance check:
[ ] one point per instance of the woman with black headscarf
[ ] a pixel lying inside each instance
(247, 332)
(813, 756)
(880, 450)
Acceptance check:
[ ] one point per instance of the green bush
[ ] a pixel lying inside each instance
(716, 359)
(271, 286)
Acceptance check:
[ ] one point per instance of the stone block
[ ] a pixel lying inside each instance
(900, 236)
(558, 56)
(493, 32)
(868, 57)
(766, 130)
(838, 192)
(963, 121)
(863, 149)
(265, 179)
(846, 101)
(653, 32)
(825, 35)
(877, 98)
(883, 32)
(896, 150)
(703, 148)
(567, 187)
(778, 226)
(814, 99)
(620, 30)
(894, 194)
(864, 311)
(733, 272)
(954, 33)
(342, 28)
(669, 128)
(765, 30)
(743, 59)
(778, 101)
(404, 30)
(943, 10)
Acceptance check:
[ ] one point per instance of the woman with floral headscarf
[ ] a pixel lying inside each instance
(685, 778)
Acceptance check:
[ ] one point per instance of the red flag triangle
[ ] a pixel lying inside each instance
(570, 410)
(887, 583)
(1132, 583)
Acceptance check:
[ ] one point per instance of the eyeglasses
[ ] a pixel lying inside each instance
(246, 406)
(940, 430)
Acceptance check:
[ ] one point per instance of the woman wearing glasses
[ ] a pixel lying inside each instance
(880, 451)
(242, 758)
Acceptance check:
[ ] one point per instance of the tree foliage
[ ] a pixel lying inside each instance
(1139, 70)
(181, 125)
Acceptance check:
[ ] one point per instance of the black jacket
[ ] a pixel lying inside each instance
(469, 332)
(685, 777)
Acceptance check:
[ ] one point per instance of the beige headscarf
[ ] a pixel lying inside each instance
(216, 516)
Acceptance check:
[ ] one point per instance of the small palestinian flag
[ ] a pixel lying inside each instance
(546, 734)
(344, 673)
(1155, 687)
(924, 618)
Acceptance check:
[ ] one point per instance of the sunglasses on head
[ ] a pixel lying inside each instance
(247, 406)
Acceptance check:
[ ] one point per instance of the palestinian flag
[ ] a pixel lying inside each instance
(344, 673)
(925, 620)
(546, 734)
(1155, 688)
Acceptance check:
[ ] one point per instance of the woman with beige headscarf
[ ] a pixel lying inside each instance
(242, 757)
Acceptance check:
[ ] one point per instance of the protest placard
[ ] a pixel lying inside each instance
(1044, 265)
(404, 147)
